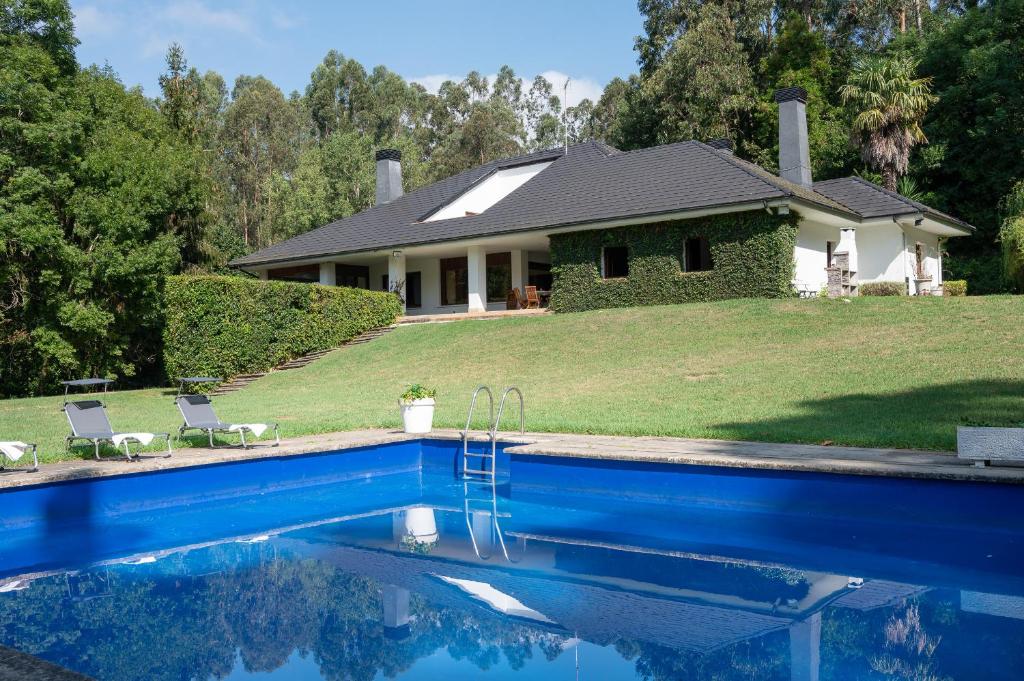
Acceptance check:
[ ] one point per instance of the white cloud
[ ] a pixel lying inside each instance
(579, 88)
(195, 13)
(91, 21)
(286, 22)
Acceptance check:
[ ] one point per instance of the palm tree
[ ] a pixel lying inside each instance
(891, 101)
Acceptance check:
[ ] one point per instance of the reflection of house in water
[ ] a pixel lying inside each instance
(597, 592)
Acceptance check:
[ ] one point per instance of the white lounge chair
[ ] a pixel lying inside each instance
(89, 421)
(14, 450)
(197, 410)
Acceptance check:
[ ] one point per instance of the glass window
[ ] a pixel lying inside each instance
(616, 262)
(454, 281)
(698, 255)
(304, 273)
(539, 275)
(353, 276)
(499, 276)
(413, 290)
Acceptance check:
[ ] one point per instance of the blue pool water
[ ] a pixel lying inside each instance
(382, 563)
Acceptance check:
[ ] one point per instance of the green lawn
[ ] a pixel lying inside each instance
(875, 371)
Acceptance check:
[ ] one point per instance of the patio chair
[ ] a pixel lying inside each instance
(15, 450)
(88, 419)
(532, 297)
(197, 410)
(520, 301)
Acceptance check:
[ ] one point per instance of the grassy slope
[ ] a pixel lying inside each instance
(875, 371)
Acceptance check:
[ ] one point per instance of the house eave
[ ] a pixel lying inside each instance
(563, 227)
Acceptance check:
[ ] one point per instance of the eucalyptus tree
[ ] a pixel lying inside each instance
(890, 101)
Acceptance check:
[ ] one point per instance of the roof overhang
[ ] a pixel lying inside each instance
(773, 204)
(815, 212)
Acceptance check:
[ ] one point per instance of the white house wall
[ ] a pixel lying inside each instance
(880, 253)
(811, 253)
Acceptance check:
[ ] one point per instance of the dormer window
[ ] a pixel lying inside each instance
(488, 191)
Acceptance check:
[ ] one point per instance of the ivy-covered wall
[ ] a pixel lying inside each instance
(752, 254)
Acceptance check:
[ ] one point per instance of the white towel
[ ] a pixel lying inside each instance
(14, 450)
(141, 438)
(257, 429)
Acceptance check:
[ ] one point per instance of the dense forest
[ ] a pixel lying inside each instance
(104, 191)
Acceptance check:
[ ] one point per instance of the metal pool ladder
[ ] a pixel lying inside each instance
(488, 470)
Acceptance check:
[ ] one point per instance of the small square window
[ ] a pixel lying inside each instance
(697, 257)
(616, 262)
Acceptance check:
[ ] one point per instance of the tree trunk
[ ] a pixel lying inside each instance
(889, 178)
(917, 13)
(903, 18)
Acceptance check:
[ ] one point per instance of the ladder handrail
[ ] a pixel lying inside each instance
(472, 405)
(501, 409)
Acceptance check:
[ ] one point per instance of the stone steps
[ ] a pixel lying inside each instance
(242, 380)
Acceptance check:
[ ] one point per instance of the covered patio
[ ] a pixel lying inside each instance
(474, 276)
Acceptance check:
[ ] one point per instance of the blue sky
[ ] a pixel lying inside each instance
(590, 41)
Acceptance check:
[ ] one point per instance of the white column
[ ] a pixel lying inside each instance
(327, 275)
(805, 649)
(477, 272)
(519, 271)
(263, 274)
(396, 273)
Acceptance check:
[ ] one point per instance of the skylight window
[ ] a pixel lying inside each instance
(492, 189)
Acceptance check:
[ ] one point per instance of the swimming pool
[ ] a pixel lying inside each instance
(381, 563)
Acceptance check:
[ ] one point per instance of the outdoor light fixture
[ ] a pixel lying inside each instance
(396, 254)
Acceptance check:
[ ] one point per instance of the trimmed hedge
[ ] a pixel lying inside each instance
(955, 288)
(226, 326)
(752, 256)
(883, 288)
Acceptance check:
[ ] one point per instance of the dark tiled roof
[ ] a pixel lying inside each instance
(593, 182)
(871, 201)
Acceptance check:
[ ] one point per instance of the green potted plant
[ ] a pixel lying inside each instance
(417, 408)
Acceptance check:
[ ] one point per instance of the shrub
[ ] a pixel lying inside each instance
(752, 256)
(957, 287)
(883, 288)
(418, 392)
(225, 326)
(1011, 235)
(983, 273)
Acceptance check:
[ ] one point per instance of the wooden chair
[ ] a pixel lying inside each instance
(532, 298)
(513, 301)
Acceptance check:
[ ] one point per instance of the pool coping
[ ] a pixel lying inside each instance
(901, 463)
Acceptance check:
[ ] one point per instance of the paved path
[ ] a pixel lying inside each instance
(814, 458)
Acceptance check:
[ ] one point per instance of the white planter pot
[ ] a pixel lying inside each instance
(420, 525)
(418, 415)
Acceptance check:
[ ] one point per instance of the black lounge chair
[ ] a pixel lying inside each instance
(197, 410)
(89, 421)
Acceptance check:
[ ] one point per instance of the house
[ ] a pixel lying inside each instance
(598, 227)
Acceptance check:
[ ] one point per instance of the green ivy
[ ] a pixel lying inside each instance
(226, 326)
(752, 254)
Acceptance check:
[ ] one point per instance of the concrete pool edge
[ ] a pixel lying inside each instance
(647, 449)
